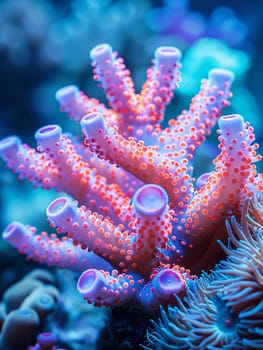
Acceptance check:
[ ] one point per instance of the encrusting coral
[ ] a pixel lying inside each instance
(134, 220)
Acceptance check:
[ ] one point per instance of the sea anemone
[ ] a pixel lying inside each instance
(202, 321)
(241, 273)
(222, 309)
(254, 213)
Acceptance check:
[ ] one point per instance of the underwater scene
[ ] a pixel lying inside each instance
(131, 174)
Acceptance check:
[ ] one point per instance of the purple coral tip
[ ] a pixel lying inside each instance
(167, 282)
(101, 53)
(90, 283)
(9, 146)
(150, 200)
(67, 94)
(167, 55)
(91, 123)
(60, 210)
(219, 76)
(232, 123)
(14, 232)
(48, 135)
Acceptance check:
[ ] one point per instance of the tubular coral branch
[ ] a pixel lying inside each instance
(138, 248)
(192, 126)
(89, 229)
(103, 288)
(137, 113)
(115, 79)
(76, 104)
(233, 176)
(49, 249)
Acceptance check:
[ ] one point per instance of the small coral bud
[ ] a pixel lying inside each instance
(91, 283)
(67, 94)
(60, 210)
(14, 233)
(232, 123)
(9, 146)
(167, 55)
(101, 53)
(219, 76)
(168, 282)
(48, 136)
(150, 200)
(91, 123)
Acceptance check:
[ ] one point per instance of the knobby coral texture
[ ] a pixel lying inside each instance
(132, 219)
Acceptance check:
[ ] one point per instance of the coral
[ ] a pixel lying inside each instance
(24, 307)
(134, 220)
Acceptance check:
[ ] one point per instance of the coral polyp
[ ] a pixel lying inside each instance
(132, 219)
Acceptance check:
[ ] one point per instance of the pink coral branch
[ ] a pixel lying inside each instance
(51, 250)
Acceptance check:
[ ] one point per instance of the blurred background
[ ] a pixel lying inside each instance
(45, 45)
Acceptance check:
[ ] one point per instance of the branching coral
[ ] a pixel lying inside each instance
(136, 214)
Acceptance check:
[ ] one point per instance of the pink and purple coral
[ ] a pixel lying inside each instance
(133, 220)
